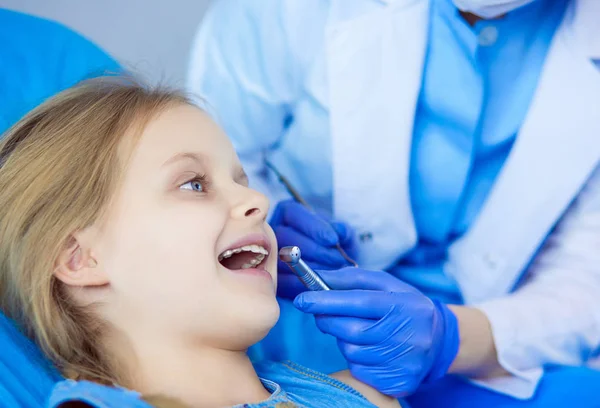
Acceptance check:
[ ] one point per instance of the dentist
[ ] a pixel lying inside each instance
(460, 140)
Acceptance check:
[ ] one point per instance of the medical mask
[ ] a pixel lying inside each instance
(489, 8)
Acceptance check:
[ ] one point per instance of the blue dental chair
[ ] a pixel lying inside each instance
(26, 377)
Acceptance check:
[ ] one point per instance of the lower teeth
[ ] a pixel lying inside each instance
(254, 262)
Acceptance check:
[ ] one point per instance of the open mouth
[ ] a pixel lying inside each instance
(244, 257)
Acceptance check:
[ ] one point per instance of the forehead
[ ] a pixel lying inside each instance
(182, 129)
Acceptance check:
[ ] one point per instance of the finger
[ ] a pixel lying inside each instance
(318, 267)
(377, 352)
(358, 278)
(349, 329)
(310, 224)
(344, 232)
(311, 250)
(366, 304)
(399, 383)
(277, 217)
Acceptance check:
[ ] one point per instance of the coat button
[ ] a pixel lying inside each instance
(365, 237)
(488, 36)
(491, 261)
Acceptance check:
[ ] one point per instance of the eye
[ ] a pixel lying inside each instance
(198, 185)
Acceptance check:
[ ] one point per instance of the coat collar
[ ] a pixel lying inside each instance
(374, 66)
(583, 18)
(555, 153)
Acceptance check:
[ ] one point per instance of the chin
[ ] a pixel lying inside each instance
(266, 313)
(256, 326)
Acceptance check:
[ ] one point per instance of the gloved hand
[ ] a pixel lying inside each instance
(392, 335)
(317, 238)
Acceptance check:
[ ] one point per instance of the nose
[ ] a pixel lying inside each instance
(250, 204)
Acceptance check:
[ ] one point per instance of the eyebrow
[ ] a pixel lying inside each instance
(185, 156)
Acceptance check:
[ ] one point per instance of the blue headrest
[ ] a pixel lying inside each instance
(28, 379)
(26, 376)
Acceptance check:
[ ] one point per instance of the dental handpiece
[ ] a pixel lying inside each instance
(292, 256)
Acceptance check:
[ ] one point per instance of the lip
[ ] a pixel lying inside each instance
(252, 239)
(258, 272)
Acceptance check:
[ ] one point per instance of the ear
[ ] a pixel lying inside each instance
(76, 264)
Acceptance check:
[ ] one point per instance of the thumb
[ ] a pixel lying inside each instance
(350, 278)
(344, 232)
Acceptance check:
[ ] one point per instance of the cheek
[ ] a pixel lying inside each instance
(272, 265)
(163, 253)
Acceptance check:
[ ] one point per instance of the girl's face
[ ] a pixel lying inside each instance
(185, 247)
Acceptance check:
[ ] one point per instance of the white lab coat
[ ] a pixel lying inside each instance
(363, 76)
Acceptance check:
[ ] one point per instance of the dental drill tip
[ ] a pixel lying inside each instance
(290, 254)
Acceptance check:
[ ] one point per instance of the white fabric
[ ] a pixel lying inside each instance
(490, 8)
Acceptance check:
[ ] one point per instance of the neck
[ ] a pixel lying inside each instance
(198, 375)
(472, 19)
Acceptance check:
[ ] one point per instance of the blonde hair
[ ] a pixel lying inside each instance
(59, 167)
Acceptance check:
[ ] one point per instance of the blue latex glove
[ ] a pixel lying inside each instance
(392, 335)
(317, 238)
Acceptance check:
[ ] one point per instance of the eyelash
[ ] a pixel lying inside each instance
(202, 179)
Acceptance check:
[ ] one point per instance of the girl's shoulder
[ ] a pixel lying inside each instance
(310, 388)
(94, 395)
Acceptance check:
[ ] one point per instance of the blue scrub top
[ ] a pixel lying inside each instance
(478, 83)
(39, 58)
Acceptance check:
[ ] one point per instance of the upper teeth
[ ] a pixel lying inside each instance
(257, 249)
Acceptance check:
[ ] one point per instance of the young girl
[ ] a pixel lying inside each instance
(134, 253)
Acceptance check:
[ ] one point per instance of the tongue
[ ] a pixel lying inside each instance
(237, 260)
